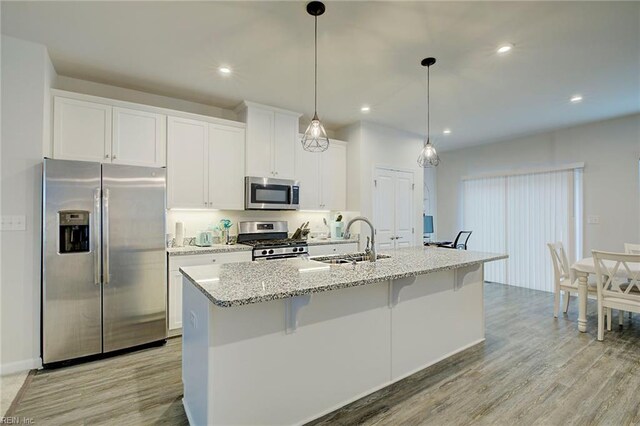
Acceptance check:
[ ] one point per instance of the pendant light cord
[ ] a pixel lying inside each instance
(428, 105)
(315, 87)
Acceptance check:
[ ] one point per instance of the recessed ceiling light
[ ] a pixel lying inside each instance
(365, 108)
(505, 48)
(576, 99)
(224, 70)
(446, 131)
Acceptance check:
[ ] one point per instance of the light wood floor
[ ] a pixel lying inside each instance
(532, 369)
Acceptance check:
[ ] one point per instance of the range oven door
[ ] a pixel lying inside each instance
(271, 194)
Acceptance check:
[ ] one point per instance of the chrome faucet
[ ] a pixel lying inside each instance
(373, 256)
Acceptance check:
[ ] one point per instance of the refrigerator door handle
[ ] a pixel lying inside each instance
(97, 247)
(105, 236)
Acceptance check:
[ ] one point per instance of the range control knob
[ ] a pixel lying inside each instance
(271, 251)
(295, 249)
(264, 252)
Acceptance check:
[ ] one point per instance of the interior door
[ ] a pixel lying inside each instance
(139, 138)
(404, 214)
(71, 296)
(384, 206)
(134, 283)
(188, 147)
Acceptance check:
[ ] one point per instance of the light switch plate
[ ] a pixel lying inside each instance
(593, 219)
(13, 223)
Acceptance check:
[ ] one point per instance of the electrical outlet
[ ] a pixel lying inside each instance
(193, 319)
(593, 219)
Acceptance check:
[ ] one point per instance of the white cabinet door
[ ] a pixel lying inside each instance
(175, 300)
(334, 177)
(285, 135)
(259, 158)
(187, 168)
(226, 167)
(139, 138)
(81, 130)
(175, 278)
(404, 223)
(307, 165)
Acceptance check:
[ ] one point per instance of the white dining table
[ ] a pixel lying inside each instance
(582, 269)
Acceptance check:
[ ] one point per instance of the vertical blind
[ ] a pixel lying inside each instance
(519, 215)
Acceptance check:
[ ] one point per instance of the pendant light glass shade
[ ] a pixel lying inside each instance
(428, 156)
(315, 137)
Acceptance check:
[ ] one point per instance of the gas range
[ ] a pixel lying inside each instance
(270, 240)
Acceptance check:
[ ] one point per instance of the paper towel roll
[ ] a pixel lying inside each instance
(179, 234)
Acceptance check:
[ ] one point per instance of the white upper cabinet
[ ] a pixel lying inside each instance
(205, 167)
(139, 138)
(188, 165)
(226, 167)
(322, 177)
(285, 135)
(81, 130)
(95, 131)
(271, 136)
(260, 125)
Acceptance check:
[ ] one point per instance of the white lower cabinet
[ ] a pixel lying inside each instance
(175, 279)
(329, 249)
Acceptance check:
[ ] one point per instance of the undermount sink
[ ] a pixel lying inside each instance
(345, 259)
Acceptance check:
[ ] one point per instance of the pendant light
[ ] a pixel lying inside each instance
(428, 156)
(315, 137)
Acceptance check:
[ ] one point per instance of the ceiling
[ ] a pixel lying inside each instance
(369, 53)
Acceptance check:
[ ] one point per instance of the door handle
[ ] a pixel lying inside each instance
(105, 236)
(97, 247)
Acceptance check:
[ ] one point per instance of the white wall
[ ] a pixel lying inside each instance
(371, 145)
(26, 75)
(610, 150)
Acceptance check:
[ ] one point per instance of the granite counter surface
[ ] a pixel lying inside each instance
(216, 248)
(236, 284)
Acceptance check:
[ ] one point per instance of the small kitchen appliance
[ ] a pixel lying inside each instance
(270, 240)
(204, 239)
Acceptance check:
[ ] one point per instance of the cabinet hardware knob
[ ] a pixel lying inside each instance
(106, 156)
(114, 157)
(213, 261)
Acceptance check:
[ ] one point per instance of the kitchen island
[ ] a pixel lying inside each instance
(286, 341)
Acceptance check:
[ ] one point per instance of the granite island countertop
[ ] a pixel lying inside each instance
(215, 248)
(236, 284)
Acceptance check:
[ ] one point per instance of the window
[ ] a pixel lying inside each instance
(519, 214)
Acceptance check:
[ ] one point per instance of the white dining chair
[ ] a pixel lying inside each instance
(618, 285)
(630, 248)
(563, 277)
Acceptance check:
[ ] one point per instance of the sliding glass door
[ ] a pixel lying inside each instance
(519, 214)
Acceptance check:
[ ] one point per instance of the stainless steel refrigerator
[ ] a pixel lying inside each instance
(103, 258)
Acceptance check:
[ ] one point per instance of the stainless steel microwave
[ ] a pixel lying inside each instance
(271, 194)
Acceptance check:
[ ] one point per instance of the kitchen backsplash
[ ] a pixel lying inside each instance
(199, 220)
